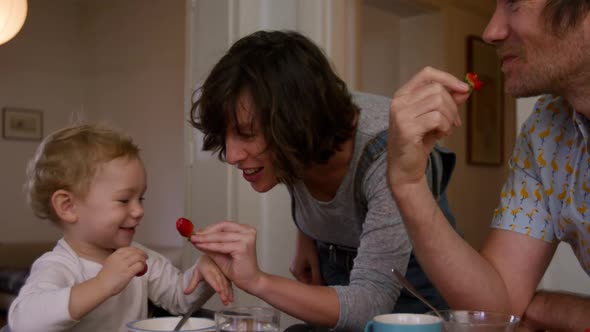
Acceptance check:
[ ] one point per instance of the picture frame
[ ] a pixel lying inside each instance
(485, 108)
(22, 124)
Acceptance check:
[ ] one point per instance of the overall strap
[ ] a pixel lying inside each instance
(438, 170)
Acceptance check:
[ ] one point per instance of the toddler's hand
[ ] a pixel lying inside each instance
(209, 271)
(120, 267)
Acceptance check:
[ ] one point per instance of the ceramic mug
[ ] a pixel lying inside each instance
(404, 323)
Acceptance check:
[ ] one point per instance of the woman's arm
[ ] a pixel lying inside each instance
(233, 248)
(305, 266)
(384, 245)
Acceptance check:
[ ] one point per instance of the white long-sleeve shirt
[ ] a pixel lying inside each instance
(42, 304)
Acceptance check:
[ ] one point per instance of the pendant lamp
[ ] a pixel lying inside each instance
(12, 18)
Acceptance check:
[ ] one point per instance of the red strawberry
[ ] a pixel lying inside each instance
(477, 85)
(185, 227)
(142, 272)
(473, 81)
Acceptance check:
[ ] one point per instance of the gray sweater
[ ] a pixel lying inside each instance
(380, 236)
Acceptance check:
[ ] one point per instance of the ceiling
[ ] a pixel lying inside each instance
(402, 8)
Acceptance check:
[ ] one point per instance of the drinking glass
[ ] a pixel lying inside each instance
(477, 321)
(247, 319)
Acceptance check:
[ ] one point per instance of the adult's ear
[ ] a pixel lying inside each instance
(63, 205)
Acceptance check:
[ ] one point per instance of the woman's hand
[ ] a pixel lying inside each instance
(422, 111)
(305, 266)
(233, 248)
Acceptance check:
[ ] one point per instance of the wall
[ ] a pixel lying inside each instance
(379, 51)
(134, 78)
(474, 190)
(401, 37)
(421, 43)
(41, 69)
(397, 41)
(119, 62)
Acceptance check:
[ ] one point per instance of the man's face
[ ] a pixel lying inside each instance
(533, 58)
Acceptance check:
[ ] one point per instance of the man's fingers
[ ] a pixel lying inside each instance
(429, 75)
(431, 98)
(460, 98)
(435, 124)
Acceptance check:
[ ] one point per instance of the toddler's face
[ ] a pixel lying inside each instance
(113, 206)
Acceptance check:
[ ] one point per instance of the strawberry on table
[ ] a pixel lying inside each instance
(185, 227)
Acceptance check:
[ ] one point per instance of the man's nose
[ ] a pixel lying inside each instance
(497, 29)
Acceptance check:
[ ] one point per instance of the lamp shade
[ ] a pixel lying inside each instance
(12, 18)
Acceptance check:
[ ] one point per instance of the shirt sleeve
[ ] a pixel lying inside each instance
(384, 244)
(42, 303)
(166, 283)
(524, 201)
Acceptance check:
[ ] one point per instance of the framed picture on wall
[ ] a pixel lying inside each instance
(485, 108)
(22, 124)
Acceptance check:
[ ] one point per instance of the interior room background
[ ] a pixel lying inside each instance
(135, 63)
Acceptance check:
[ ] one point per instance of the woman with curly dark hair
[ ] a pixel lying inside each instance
(274, 108)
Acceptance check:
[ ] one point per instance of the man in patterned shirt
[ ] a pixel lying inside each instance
(544, 48)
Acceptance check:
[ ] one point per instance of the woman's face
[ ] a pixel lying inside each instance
(246, 148)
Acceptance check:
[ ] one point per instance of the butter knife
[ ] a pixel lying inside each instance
(204, 293)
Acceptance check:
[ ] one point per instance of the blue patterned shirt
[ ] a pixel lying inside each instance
(547, 192)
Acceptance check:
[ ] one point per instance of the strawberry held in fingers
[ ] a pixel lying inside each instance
(473, 81)
(185, 227)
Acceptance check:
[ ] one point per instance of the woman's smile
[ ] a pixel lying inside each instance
(251, 174)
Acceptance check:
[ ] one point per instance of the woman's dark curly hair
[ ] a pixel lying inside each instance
(304, 109)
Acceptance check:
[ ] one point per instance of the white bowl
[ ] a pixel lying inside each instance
(167, 324)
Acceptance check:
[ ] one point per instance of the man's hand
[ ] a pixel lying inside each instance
(422, 111)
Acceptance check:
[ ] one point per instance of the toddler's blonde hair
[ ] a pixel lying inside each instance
(68, 159)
